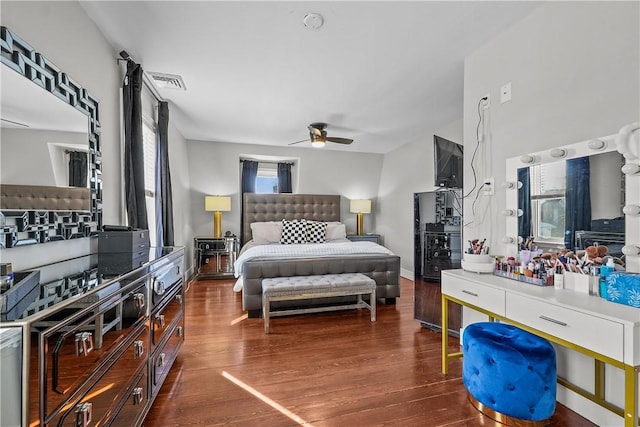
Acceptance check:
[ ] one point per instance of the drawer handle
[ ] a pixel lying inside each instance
(138, 301)
(84, 412)
(179, 331)
(473, 294)
(557, 322)
(160, 320)
(138, 348)
(137, 395)
(159, 287)
(162, 359)
(84, 343)
(179, 299)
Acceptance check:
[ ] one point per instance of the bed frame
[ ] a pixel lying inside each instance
(384, 269)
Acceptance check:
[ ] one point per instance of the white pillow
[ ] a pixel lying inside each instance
(335, 230)
(266, 232)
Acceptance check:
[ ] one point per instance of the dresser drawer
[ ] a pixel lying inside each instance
(484, 297)
(166, 354)
(594, 333)
(164, 280)
(162, 321)
(134, 403)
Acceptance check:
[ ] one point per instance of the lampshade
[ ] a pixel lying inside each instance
(217, 203)
(360, 206)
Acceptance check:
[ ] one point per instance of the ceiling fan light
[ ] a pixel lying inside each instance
(317, 143)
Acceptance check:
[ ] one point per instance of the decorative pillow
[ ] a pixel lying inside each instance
(335, 230)
(293, 231)
(266, 232)
(316, 231)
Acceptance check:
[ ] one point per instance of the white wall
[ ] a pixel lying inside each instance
(405, 171)
(214, 169)
(574, 69)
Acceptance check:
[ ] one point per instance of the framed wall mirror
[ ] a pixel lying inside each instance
(50, 176)
(568, 197)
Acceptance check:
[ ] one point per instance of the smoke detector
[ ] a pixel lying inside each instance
(313, 21)
(167, 81)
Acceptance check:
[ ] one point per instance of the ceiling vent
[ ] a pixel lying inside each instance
(167, 81)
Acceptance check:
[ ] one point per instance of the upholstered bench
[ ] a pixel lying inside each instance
(319, 286)
(510, 374)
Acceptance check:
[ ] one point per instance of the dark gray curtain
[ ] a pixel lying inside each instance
(577, 199)
(133, 147)
(284, 178)
(524, 203)
(78, 169)
(249, 174)
(164, 195)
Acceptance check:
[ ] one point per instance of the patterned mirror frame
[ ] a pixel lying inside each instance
(45, 226)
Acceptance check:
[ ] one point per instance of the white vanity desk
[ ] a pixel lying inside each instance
(608, 332)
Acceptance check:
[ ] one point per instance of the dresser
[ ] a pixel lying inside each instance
(607, 332)
(94, 348)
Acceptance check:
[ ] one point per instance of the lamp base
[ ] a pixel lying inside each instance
(217, 224)
(359, 224)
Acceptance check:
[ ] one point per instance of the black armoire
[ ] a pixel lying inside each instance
(437, 247)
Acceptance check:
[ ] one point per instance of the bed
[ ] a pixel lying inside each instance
(265, 257)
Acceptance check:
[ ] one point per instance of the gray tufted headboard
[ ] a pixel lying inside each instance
(42, 197)
(275, 207)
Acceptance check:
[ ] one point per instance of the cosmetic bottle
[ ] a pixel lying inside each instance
(605, 270)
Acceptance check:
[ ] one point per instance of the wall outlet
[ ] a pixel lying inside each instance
(486, 104)
(489, 189)
(505, 93)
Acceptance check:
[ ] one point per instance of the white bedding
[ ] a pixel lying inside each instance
(327, 249)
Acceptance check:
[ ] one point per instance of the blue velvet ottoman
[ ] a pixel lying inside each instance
(509, 373)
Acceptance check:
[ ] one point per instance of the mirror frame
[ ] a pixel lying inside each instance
(575, 150)
(21, 57)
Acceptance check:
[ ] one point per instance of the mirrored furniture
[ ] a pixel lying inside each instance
(93, 348)
(45, 116)
(214, 256)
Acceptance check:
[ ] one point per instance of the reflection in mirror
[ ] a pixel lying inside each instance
(574, 203)
(44, 140)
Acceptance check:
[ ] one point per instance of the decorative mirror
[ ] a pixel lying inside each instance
(51, 186)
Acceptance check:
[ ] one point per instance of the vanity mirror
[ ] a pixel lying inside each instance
(48, 120)
(571, 196)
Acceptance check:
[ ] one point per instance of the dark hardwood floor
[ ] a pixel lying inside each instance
(324, 369)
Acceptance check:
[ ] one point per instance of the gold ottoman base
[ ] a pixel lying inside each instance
(505, 419)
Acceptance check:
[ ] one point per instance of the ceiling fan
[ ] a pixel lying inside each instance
(318, 136)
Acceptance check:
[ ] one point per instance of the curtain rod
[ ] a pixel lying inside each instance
(267, 161)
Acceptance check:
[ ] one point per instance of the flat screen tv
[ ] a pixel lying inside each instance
(448, 163)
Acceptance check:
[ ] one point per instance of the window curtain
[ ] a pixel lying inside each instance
(577, 199)
(133, 147)
(164, 195)
(284, 178)
(524, 203)
(249, 174)
(78, 168)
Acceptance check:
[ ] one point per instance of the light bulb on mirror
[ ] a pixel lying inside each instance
(631, 210)
(510, 185)
(558, 153)
(631, 169)
(631, 250)
(527, 159)
(512, 212)
(597, 144)
(508, 240)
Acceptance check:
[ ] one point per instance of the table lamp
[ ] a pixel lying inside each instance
(359, 207)
(217, 204)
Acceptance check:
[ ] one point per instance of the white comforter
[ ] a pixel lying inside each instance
(316, 250)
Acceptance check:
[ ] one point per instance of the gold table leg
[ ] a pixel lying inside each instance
(630, 396)
(445, 335)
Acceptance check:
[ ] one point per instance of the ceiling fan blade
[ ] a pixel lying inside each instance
(298, 142)
(339, 140)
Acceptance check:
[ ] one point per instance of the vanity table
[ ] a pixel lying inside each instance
(94, 348)
(607, 332)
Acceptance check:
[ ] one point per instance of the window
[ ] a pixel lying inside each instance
(548, 185)
(149, 140)
(267, 178)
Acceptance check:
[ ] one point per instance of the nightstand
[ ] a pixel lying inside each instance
(214, 256)
(375, 238)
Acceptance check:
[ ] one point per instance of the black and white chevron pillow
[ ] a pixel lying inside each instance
(316, 231)
(293, 232)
